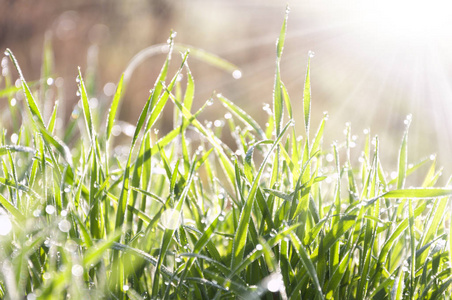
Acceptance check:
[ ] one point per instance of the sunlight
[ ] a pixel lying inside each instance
(417, 21)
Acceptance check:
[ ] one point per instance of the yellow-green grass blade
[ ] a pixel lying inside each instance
(15, 148)
(240, 113)
(278, 106)
(86, 109)
(243, 225)
(307, 263)
(307, 98)
(403, 154)
(114, 107)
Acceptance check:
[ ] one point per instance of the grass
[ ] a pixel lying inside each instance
(283, 217)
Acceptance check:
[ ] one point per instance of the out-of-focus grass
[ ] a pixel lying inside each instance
(281, 217)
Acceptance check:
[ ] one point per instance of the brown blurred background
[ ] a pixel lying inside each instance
(363, 71)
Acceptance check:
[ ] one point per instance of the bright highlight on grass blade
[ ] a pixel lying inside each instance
(5, 225)
(170, 219)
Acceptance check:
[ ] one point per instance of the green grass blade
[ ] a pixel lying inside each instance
(403, 154)
(307, 98)
(242, 229)
(36, 114)
(307, 263)
(85, 106)
(114, 107)
(241, 114)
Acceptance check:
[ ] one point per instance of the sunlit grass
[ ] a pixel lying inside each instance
(278, 214)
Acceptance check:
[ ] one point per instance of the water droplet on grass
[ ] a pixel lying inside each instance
(329, 157)
(77, 270)
(109, 89)
(125, 287)
(237, 74)
(274, 283)
(259, 247)
(64, 226)
(209, 102)
(14, 138)
(227, 116)
(49, 81)
(311, 54)
(50, 209)
(31, 296)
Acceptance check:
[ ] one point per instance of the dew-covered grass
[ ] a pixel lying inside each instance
(277, 215)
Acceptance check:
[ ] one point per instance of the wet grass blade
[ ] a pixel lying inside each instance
(114, 107)
(85, 106)
(243, 225)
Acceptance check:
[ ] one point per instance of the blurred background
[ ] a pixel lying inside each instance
(374, 63)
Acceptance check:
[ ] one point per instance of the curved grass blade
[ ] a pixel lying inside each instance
(241, 114)
(15, 148)
(31, 103)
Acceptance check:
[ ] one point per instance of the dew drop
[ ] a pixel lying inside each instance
(93, 103)
(259, 247)
(209, 102)
(14, 138)
(311, 54)
(329, 157)
(13, 102)
(109, 89)
(31, 296)
(274, 283)
(227, 116)
(237, 74)
(50, 209)
(116, 130)
(50, 81)
(64, 226)
(77, 270)
(125, 287)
